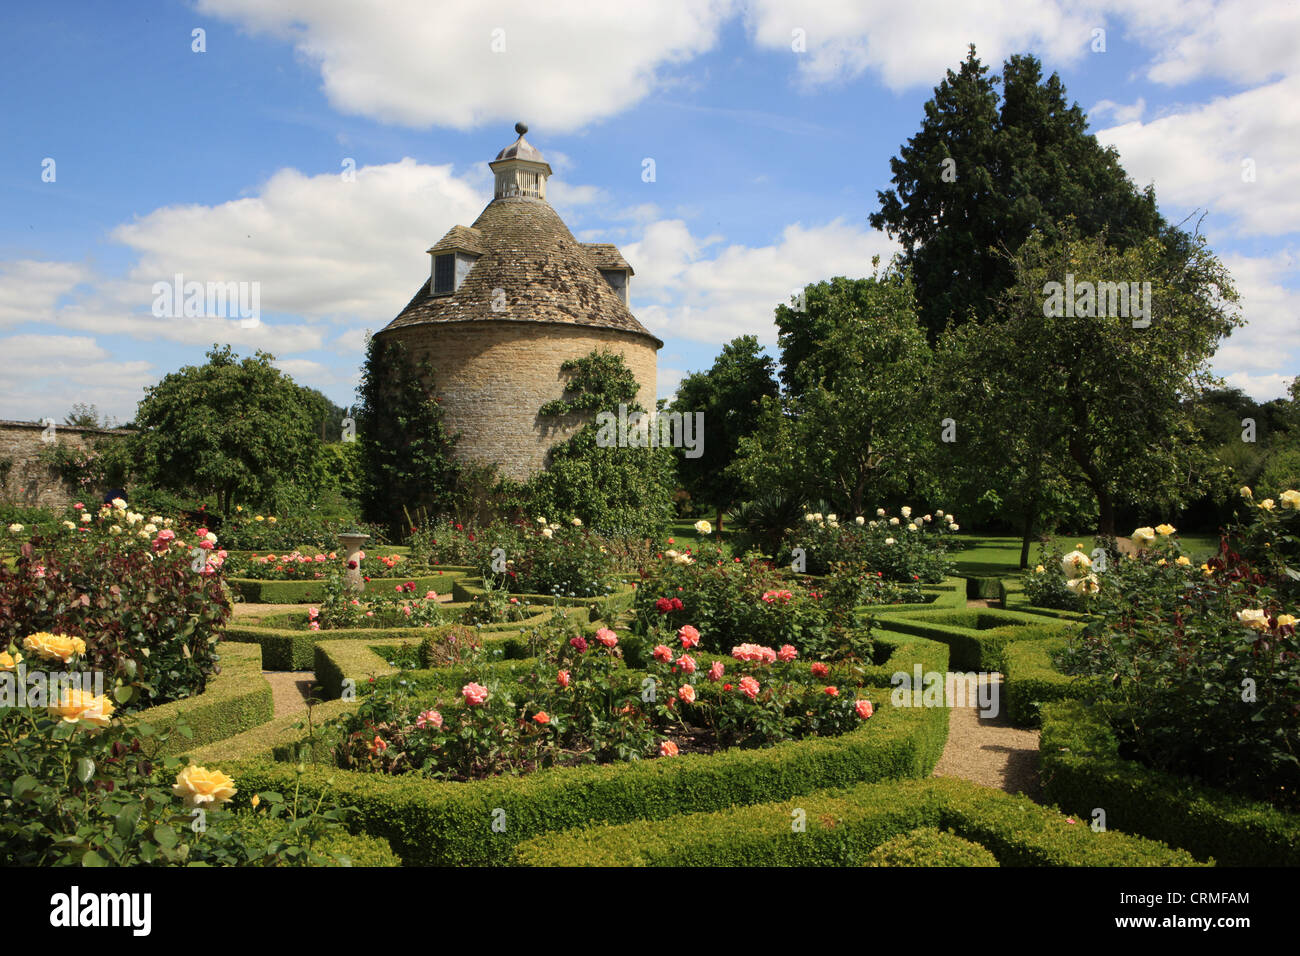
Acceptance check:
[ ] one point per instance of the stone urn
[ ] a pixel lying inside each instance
(351, 543)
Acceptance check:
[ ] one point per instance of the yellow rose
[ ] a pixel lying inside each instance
(1246, 492)
(1164, 530)
(1206, 569)
(9, 661)
(1267, 504)
(1038, 570)
(703, 527)
(255, 801)
(1291, 499)
(197, 785)
(1075, 564)
(271, 520)
(54, 646)
(1162, 562)
(1283, 620)
(1257, 619)
(259, 518)
(1143, 537)
(75, 705)
(1183, 560)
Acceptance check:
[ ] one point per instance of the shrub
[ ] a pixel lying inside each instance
(546, 558)
(903, 548)
(148, 619)
(929, 846)
(1055, 583)
(1200, 667)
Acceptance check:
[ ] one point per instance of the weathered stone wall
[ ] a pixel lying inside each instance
(29, 482)
(492, 377)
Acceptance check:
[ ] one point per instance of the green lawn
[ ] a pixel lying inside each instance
(982, 555)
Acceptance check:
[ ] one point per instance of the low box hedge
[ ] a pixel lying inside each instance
(976, 637)
(1029, 680)
(605, 607)
(1082, 770)
(237, 699)
(842, 828)
(950, 595)
(255, 591)
(1011, 591)
(436, 822)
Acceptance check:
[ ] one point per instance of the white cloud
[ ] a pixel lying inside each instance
(44, 374)
(419, 63)
(1264, 355)
(1195, 157)
(736, 291)
(1120, 112)
(912, 44)
(1245, 41)
(29, 289)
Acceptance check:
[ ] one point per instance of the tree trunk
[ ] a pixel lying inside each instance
(717, 527)
(1027, 532)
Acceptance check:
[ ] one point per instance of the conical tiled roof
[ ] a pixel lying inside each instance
(546, 275)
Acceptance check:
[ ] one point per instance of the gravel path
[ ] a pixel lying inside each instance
(289, 690)
(990, 751)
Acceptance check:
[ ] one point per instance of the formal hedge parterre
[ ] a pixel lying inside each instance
(1082, 770)
(843, 828)
(446, 823)
(235, 700)
(1030, 680)
(254, 591)
(976, 637)
(1011, 592)
(949, 595)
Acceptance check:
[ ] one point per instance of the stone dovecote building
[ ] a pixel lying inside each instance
(507, 301)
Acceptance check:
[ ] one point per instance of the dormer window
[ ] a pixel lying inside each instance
(444, 274)
(617, 279)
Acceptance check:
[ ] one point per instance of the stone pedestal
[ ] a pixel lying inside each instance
(351, 546)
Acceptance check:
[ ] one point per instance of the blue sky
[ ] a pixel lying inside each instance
(227, 164)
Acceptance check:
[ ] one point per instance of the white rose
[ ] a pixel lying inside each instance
(1143, 537)
(956, 527)
(832, 517)
(541, 521)
(577, 522)
(880, 512)
(926, 519)
(69, 525)
(889, 541)
(905, 511)
(151, 528)
(912, 527)
(15, 528)
(893, 522)
(1075, 564)
(116, 529)
(85, 518)
(156, 519)
(547, 533)
(119, 504)
(859, 521)
(211, 536)
(873, 524)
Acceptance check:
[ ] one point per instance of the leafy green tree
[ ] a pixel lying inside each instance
(85, 415)
(405, 449)
(729, 396)
(858, 421)
(983, 174)
(1100, 400)
(611, 488)
(235, 429)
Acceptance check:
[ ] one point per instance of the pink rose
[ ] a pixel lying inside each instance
(820, 670)
(749, 687)
(607, 637)
(864, 709)
(563, 678)
(686, 663)
(832, 692)
(690, 637)
(429, 718)
(664, 653)
(431, 596)
(716, 671)
(787, 653)
(474, 694)
(668, 749)
(687, 693)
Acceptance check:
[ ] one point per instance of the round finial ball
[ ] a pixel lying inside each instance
(521, 128)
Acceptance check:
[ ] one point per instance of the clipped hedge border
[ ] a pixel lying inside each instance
(607, 606)
(1029, 680)
(950, 595)
(843, 827)
(289, 649)
(254, 591)
(1082, 770)
(442, 823)
(1011, 591)
(972, 648)
(237, 699)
